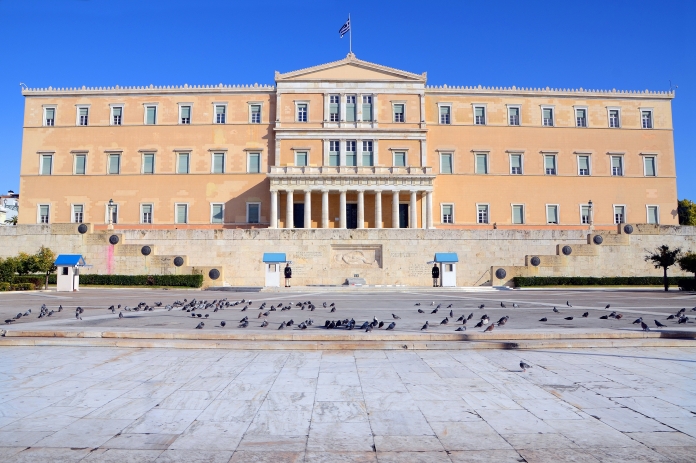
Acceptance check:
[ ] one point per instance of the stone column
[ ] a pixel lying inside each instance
(289, 211)
(342, 221)
(308, 209)
(274, 209)
(361, 209)
(429, 209)
(378, 209)
(325, 209)
(395, 209)
(412, 210)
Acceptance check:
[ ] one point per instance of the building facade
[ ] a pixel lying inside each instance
(348, 144)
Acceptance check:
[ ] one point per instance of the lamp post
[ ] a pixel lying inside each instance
(591, 218)
(111, 215)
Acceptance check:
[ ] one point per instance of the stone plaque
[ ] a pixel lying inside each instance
(356, 256)
(96, 239)
(131, 250)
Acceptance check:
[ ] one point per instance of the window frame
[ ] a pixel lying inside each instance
(519, 114)
(613, 208)
(521, 155)
(338, 107)
(181, 107)
(553, 115)
(249, 155)
(72, 213)
(589, 164)
(512, 212)
(652, 118)
(54, 107)
(142, 213)
(399, 151)
(142, 162)
(587, 117)
(338, 158)
(301, 151)
(43, 156)
(363, 153)
(488, 214)
(346, 144)
(345, 112)
(558, 213)
(106, 213)
(212, 219)
(215, 106)
(618, 110)
(38, 213)
(645, 170)
(188, 163)
(439, 115)
(476, 157)
(212, 162)
(304, 103)
(555, 163)
(250, 105)
(75, 156)
(146, 106)
(253, 203)
(362, 107)
(108, 163)
(442, 213)
(394, 113)
(176, 213)
(77, 115)
(483, 106)
(451, 156)
(647, 214)
(111, 113)
(611, 165)
(589, 214)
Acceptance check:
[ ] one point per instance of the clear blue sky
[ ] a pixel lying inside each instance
(602, 44)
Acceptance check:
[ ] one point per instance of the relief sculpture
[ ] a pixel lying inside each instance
(356, 256)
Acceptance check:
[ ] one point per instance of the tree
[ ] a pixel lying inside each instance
(8, 268)
(43, 261)
(11, 221)
(687, 262)
(26, 263)
(687, 212)
(664, 257)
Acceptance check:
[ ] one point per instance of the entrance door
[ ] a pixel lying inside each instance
(298, 215)
(403, 215)
(352, 216)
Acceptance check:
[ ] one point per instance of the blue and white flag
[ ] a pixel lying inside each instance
(344, 28)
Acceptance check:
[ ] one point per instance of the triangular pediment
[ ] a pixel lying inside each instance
(351, 69)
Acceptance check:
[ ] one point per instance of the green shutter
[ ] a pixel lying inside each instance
(114, 163)
(350, 112)
(147, 209)
(117, 110)
(183, 167)
(217, 213)
(447, 209)
(585, 162)
(367, 112)
(219, 109)
(552, 213)
(149, 164)
(517, 214)
(83, 111)
(550, 162)
(516, 161)
(181, 213)
(50, 113)
(46, 165)
(186, 112)
(481, 164)
(253, 213)
(218, 163)
(650, 166)
(301, 158)
(446, 163)
(652, 214)
(254, 163)
(479, 112)
(80, 164)
(399, 108)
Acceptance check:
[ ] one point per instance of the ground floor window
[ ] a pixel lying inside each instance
(253, 212)
(482, 216)
(448, 213)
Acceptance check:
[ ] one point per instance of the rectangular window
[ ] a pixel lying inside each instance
(367, 159)
(150, 115)
(116, 115)
(46, 164)
(518, 214)
(448, 213)
(182, 163)
(552, 214)
(581, 117)
(516, 164)
(217, 213)
(351, 158)
(653, 215)
(254, 166)
(350, 108)
(482, 215)
(514, 116)
(367, 108)
(398, 112)
(255, 113)
(302, 112)
(399, 159)
(583, 165)
(182, 213)
(616, 166)
(479, 115)
(114, 164)
(253, 212)
(614, 121)
(80, 164)
(481, 163)
(334, 108)
(301, 158)
(646, 119)
(83, 116)
(619, 216)
(185, 115)
(43, 213)
(146, 216)
(78, 213)
(148, 163)
(334, 153)
(114, 213)
(550, 164)
(220, 113)
(649, 162)
(547, 117)
(49, 117)
(585, 215)
(445, 115)
(445, 163)
(218, 163)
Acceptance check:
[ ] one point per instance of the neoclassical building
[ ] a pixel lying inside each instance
(347, 144)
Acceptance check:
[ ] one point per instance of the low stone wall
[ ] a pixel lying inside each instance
(383, 257)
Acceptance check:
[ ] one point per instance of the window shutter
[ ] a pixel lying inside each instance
(481, 164)
(254, 163)
(150, 115)
(148, 163)
(83, 111)
(547, 113)
(50, 113)
(117, 111)
(80, 164)
(253, 213)
(549, 162)
(350, 112)
(186, 112)
(516, 161)
(585, 162)
(183, 164)
(552, 214)
(447, 209)
(219, 109)
(181, 213)
(147, 209)
(616, 161)
(217, 213)
(650, 166)
(114, 163)
(46, 162)
(399, 108)
(652, 214)
(516, 214)
(367, 112)
(446, 163)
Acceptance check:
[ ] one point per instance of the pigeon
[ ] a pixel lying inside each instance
(120, 315)
(555, 310)
(391, 326)
(434, 311)
(417, 303)
(368, 329)
(425, 327)
(568, 318)
(481, 306)
(693, 310)
(608, 305)
(333, 309)
(243, 319)
(421, 311)
(659, 325)
(381, 324)
(490, 328)
(449, 306)
(471, 315)
(264, 324)
(619, 316)
(451, 314)
(432, 303)
(223, 323)
(9, 320)
(244, 324)
(503, 305)
(568, 304)
(460, 319)
(479, 324)
(60, 308)
(503, 321)
(200, 326)
(604, 317)
(207, 315)
(282, 325)
(524, 366)
(396, 317)
(639, 320)
(612, 315)
(515, 305)
(543, 319)
(444, 321)
(671, 317)
(644, 326)
(461, 328)
(586, 314)
(683, 320)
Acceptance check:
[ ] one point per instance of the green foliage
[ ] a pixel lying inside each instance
(664, 258)
(36, 280)
(594, 281)
(43, 262)
(687, 212)
(8, 268)
(4, 286)
(12, 221)
(191, 281)
(22, 287)
(26, 263)
(687, 262)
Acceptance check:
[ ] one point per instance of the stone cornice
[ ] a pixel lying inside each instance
(148, 90)
(536, 91)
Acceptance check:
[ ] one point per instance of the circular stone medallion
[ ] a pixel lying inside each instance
(178, 261)
(500, 273)
(214, 274)
(113, 239)
(567, 250)
(628, 229)
(598, 239)
(82, 229)
(535, 261)
(145, 250)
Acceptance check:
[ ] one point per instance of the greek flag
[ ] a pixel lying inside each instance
(344, 28)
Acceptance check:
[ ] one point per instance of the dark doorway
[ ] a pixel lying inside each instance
(403, 215)
(298, 215)
(352, 216)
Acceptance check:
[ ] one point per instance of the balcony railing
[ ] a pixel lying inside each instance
(350, 170)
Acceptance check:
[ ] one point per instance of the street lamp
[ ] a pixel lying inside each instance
(589, 204)
(111, 215)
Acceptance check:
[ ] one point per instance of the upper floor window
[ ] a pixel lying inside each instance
(619, 214)
(580, 117)
(82, 115)
(49, 116)
(445, 114)
(217, 213)
(552, 214)
(181, 213)
(114, 164)
(367, 159)
(78, 213)
(518, 214)
(445, 163)
(301, 158)
(514, 115)
(334, 108)
(116, 115)
(334, 152)
(482, 213)
(649, 166)
(653, 214)
(148, 163)
(46, 164)
(583, 165)
(516, 164)
(398, 112)
(547, 117)
(43, 213)
(550, 164)
(218, 163)
(350, 108)
(351, 157)
(302, 112)
(617, 166)
(146, 213)
(220, 113)
(150, 115)
(448, 213)
(255, 113)
(254, 163)
(481, 163)
(367, 108)
(614, 118)
(479, 115)
(399, 159)
(646, 117)
(185, 114)
(182, 163)
(80, 164)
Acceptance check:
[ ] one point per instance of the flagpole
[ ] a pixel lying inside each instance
(350, 35)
